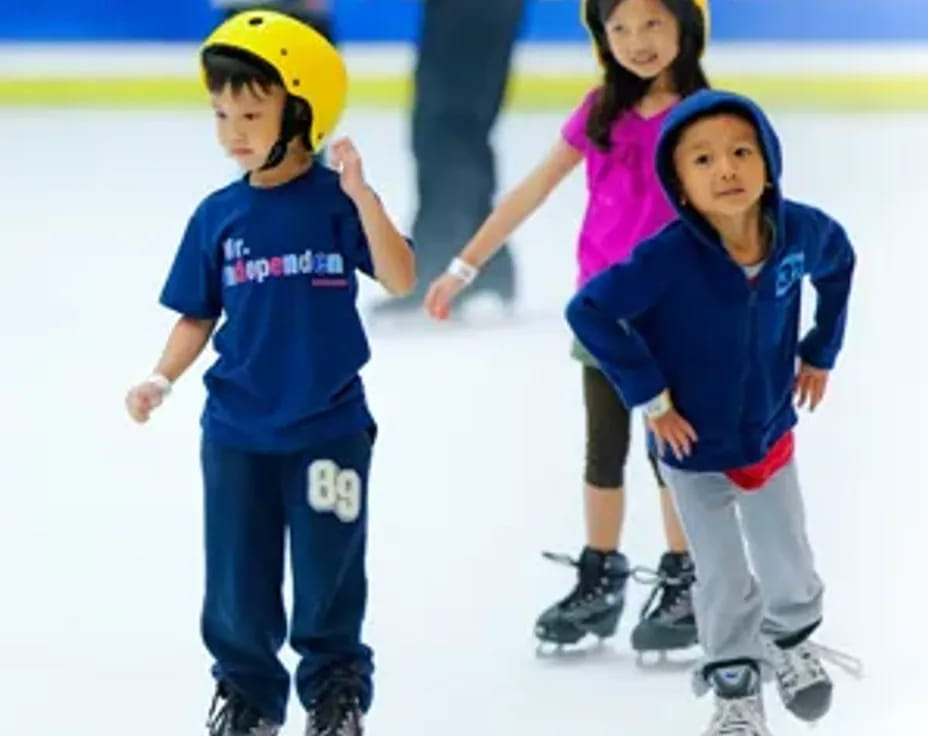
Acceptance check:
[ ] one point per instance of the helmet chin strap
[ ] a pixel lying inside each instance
(297, 120)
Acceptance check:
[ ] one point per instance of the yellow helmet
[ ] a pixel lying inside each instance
(308, 64)
(589, 16)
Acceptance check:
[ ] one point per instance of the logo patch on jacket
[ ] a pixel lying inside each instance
(790, 272)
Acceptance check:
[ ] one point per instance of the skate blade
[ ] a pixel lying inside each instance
(587, 646)
(661, 661)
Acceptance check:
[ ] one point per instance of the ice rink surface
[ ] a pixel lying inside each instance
(476, 471)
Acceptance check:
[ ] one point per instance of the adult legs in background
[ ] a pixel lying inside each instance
(461, 72)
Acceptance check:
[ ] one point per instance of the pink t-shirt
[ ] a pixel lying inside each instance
(626, 203)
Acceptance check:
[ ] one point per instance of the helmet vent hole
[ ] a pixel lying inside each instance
(256, 21)
(283, 52)
(296, 82)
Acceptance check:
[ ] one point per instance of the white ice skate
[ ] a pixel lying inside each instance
(802, 681)
(739, 706)
(738, 717)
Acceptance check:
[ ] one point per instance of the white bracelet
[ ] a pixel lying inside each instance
(658, 406)
(462, 270)
(161, 381)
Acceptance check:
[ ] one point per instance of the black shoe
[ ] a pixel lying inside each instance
(336, 711)
(235, 717)
(595, 604)
(670, 624)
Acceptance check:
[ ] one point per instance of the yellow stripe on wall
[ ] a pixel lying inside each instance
(526, 92)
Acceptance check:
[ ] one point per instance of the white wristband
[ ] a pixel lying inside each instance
(161, 381)
(658, 406)
(462, 270)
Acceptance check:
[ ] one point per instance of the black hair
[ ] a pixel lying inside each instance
(228, 66)
(621, 88)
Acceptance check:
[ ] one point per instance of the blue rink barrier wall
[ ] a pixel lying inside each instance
(397, 20)
(806, 54)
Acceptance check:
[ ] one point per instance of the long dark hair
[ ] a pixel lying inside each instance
(622, 89)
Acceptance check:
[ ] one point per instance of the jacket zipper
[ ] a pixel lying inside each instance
(752, 350)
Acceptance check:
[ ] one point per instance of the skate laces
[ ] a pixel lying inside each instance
(561, 559)
(737, 717)
(848, 663)
(336, 709)
(800, 666)
(219, 716)
(234, 713)
(581, 590)
(589, 585)
(673, 590)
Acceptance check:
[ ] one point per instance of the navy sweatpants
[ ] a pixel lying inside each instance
(319, 496)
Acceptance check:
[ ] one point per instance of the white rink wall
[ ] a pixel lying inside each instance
(36, 60)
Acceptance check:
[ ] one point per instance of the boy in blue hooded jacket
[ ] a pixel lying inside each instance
(700, 327)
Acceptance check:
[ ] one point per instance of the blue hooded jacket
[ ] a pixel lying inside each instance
(682, 315)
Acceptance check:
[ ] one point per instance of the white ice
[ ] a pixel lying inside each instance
(478, 466)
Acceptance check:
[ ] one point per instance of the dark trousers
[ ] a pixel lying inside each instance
(608, 433)
(461, 72)
(252, 501)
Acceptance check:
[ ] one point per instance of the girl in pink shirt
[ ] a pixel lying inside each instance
(650, 54)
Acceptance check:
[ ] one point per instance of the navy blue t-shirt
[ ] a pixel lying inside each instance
(279, 265)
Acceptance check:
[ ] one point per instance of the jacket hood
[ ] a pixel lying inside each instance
(700, 105)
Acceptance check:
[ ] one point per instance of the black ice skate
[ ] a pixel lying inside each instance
(671, 624)
(235, 717)
(336, 710)
(595, 604)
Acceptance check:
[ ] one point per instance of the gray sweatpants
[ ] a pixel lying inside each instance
(734, 609)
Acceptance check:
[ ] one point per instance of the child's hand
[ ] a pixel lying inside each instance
(672, 429)
(346, 161)
(142, 399)
(810, 386)
(440, 295)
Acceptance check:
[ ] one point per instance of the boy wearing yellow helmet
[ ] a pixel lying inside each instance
(287, 435)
